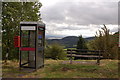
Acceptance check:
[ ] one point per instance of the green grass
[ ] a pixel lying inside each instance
(56, 69)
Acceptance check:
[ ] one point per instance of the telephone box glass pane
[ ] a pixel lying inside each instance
(28, 48)
(24, 57)
(24, 39)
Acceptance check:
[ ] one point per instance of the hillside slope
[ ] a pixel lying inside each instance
(68, 42)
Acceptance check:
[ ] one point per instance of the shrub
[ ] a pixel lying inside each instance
(55, 51)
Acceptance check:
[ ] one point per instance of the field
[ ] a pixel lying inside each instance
(62, 69)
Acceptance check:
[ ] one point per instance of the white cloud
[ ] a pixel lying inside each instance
(75, 17)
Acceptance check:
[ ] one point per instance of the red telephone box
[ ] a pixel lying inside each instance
(17, 41)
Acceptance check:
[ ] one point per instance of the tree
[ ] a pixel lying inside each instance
(81, 44)
(12, 14)
(105, 41)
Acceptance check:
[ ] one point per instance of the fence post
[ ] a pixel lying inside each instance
(71, 56)
(98, 60)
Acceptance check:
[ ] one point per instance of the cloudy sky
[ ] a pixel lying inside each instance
(77, 17)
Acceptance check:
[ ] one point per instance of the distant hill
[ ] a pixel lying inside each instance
(68, 42)
(89, 38)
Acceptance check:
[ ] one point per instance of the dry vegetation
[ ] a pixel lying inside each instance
(62, 69)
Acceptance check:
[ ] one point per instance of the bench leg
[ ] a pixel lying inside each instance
(98, 61)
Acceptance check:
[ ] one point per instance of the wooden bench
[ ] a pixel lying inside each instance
(84, 53)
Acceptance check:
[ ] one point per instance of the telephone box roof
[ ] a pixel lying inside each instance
(39, 23)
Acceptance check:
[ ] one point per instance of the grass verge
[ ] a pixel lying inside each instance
(56, 69)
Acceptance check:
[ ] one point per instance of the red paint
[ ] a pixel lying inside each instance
(27, 49)
(39, 32)
(41, 27)
(17, 41)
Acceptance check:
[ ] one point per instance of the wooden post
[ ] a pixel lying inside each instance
(19, 59)
(98, 60)
(6, 56)
(71, 56)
